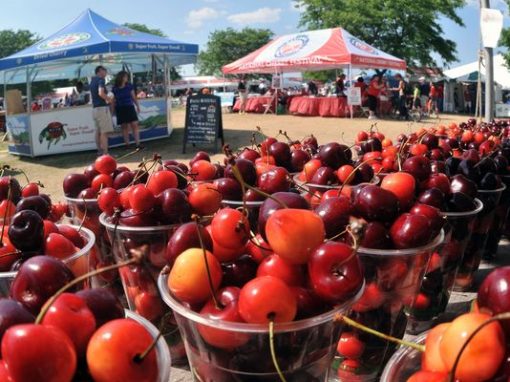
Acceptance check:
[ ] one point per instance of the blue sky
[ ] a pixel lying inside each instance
(193, 20)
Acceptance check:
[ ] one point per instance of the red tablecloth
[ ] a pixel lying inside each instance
(255, 104)
(327, 106)
(323, 106)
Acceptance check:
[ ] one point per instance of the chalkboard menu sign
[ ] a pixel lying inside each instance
(204, 124)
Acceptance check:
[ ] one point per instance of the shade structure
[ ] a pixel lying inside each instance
(88, 39)
(314, 50)
(470, 72)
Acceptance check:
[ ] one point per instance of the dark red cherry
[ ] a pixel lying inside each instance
(334, 212)
(376, 236)
(229, 188)
(186, 237)
(73, 184)
(375, 203)
(103, 303)
(333, 155)
(410, 231)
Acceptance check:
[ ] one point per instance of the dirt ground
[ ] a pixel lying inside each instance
(238, 130)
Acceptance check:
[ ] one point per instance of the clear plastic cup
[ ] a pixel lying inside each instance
(162, 353)
(86, 212)
(139, 281)
(312, 187)
(393, 279)
(304, 348)
(79, 263)
(476, 246)
(439, 278)
(405, 362)
(499, 221)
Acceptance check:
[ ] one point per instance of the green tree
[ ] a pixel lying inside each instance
(505, 41)
(228, 45)
(14, 41)
(408, 29)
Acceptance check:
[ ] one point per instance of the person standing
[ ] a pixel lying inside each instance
(424, 94)
(373, 92)
(340, 86)
(243, 95)
(101, 110)
(125, 102)
(402, 97)
(433, 98)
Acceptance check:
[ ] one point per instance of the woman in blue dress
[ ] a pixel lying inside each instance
(126, 107)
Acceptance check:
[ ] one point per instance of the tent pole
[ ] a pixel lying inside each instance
(5, 92)
(29, 91)
(350, 82)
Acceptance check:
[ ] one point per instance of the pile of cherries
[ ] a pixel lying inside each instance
(81, 336)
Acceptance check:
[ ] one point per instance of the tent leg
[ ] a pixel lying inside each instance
(350, 79)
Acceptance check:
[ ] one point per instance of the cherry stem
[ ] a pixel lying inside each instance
(352, 174)
(140, 357)
(209, 277)
(271, 347)
(239, 178)
(137, 258)
(4, 222)
(341, 318)
(129, 154)
(22, 172)
(498, 317)
(84, 215)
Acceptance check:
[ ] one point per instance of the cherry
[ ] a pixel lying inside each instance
(37, 280)
(87, 193)
(310, 168)
(334, 212)
(136, 219)
(228, 311)
(229, 188)
(372, 298)
(73, 184)
(324, 176)
(239, 271)
(460, 202)
(293, 234)
(108, 200)
(70, 313)
(402, 185)
(101, 181)
(311, 142)
(103, 303)
(66, 230)
(205, 199)
(230, 228)
(26, 231)
(376, 236)
(482, 356)
(280, 151)
(274, 265)
(123, 179)
(141, 198)
(38, 353)
(13, 313)
(186, 237)
(160, 181)
(264, 146)
(258, 248)
(274, 180)
(203, 170)
(8, 256)
(428, 376)
(410, 231)
(431, 360)
(335, 272)
(298, 159)
(90, 172)
(350, 346)
(417, 166)
(270, 205)
(7, 209)
(459, 183)
(115, 349)
(105, 164)
(433, 197)
(249, 154)
(188, 279)
(494, 294)
(31, 189)
(333, 155)
(436, 220)
(175, 206)
(200, 155)
(257, 303)
(58, 246)
(375, 203)
(371, 144)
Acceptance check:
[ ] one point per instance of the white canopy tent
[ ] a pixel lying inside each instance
(469, 72)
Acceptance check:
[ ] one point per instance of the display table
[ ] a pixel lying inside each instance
(255, 104)
(72, 129)
(328, 107)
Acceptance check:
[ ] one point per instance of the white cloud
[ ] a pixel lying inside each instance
(197, 17)
(264, 15)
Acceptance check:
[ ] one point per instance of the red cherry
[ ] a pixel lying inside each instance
(274, 265)
(7, 209)
(105, 164)
(421, 302)
(5, 376)
(149, 306)
(293, 234)
(431, 360)
(205, 199)
(229, 312)
(371, 299)
(38, 353)
(335, 272)
(410, 231)
(203, 170)
(258, 248)
(58, 246)
(108, 200)
(113, 351)
(71, 234)
(49, 227)
(101, 181)
(258, 305)
(436, 220)
(141, 199)
(70, 313)
(31, 189)
(402, 185)
(350, 346)
(230, 229)
(221, 253)
(162, 180)
(440, 181)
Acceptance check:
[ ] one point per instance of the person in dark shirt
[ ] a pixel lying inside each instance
(101, 110)
(340, 85)
(125, 102)
(312, 88)
(243, 95)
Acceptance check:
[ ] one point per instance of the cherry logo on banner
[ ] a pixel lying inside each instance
(292, 46)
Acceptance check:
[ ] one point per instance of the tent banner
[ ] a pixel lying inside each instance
(491, 24)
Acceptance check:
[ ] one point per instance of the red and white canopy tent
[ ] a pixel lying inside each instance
(314, 50)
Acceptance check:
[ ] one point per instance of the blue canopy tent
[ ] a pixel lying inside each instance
(73, 52)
